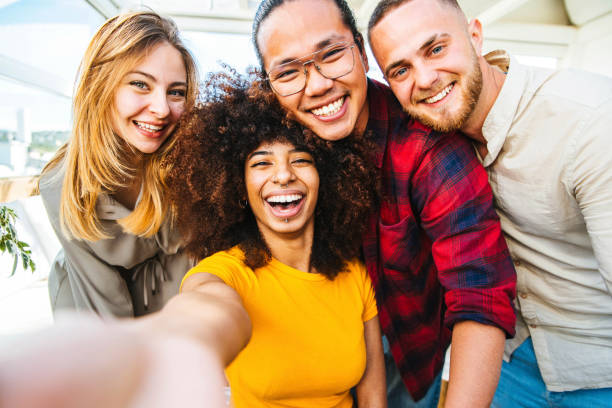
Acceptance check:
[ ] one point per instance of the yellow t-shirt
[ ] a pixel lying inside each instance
(307, 347)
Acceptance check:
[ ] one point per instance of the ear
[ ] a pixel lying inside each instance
(475, 32)
(362, 51)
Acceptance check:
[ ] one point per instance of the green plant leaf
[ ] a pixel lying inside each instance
(14, 265)
(9, 242)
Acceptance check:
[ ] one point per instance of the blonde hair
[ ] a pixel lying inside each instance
(95, 158)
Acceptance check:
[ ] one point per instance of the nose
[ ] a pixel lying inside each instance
(158, 105)
(424, 76)
(316, 83)
(284, 174)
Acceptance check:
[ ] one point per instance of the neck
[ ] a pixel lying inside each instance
(492, 82)
(292, 249)
(127, 195)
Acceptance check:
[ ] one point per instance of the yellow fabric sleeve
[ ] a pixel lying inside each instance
(369, 300)
(227, 266)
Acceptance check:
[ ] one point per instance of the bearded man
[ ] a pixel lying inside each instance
(544, 138)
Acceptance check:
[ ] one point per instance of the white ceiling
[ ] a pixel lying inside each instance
(235, 16)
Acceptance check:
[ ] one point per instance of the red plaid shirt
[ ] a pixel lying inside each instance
(435, 250)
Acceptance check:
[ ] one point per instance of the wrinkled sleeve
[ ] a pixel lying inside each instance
(123, 276)
(455, 204)
(592, 185)
(79, 279)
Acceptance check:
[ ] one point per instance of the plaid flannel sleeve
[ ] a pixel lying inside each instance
(455, 203)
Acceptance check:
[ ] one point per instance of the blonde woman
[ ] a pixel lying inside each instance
(104, 189)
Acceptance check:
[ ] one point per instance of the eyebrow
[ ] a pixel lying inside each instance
(259, 153)
(424, 46)
(268, 153)
(395, 64)
(332, 39)
(152, 78)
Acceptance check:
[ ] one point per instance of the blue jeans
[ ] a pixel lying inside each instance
(397, 394)
(521, 385)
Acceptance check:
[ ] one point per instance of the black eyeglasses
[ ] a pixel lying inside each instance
(332, 62)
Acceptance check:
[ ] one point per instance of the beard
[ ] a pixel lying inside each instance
(445, 121)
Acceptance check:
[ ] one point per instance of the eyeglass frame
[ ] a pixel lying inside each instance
(311, 56)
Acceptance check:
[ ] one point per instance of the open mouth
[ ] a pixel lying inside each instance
(285, 206)
(440, 95)
(147, 127)
(329, 109)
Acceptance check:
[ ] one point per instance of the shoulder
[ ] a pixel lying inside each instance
(51, 181)
(355, 271)
(355, 266)
(228, 265)
(572, 88)
(50, 188)
(383, 106)
(575, 103)
(230, 258)
(418, 148)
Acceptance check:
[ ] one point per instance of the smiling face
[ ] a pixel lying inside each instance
(331, 108)
(282, 186)
(428, 54)
(150, 99)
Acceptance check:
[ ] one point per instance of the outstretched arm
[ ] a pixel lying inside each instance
(173, 358)
(207, 311)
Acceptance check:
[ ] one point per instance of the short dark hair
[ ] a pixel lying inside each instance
(206, 182)
(267, 6)
(385, 6)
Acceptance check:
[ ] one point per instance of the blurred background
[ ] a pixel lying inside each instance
(42, 41)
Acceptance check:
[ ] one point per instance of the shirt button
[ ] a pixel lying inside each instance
(523, 295)
(517, 262)
(533, 326)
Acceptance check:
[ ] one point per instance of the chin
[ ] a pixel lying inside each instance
(332, 135)
(439, 123)
(148, 150)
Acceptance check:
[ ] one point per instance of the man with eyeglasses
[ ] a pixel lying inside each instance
(434, 249)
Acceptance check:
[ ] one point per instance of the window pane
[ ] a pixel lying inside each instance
(33, 124)
(49, 35)
(37, 69)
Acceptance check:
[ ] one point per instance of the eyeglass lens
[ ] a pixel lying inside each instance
(332, 62)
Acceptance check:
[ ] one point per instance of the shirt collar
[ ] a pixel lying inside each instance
(500, 117)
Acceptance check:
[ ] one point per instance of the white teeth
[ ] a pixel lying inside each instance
(284, 198)
(330, 109)
(439, 96)
(146, 126)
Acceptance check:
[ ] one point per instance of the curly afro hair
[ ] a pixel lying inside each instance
(205, 183)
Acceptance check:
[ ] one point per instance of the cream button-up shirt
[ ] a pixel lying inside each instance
(549, 140)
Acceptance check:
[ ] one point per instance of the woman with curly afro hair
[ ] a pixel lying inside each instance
(277, 214)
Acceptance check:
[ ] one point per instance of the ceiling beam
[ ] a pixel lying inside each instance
(33, 76)
(498, 10)
(545, 40)
(531, 33)
(214, 24)
(196, 11)
(107, 8)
